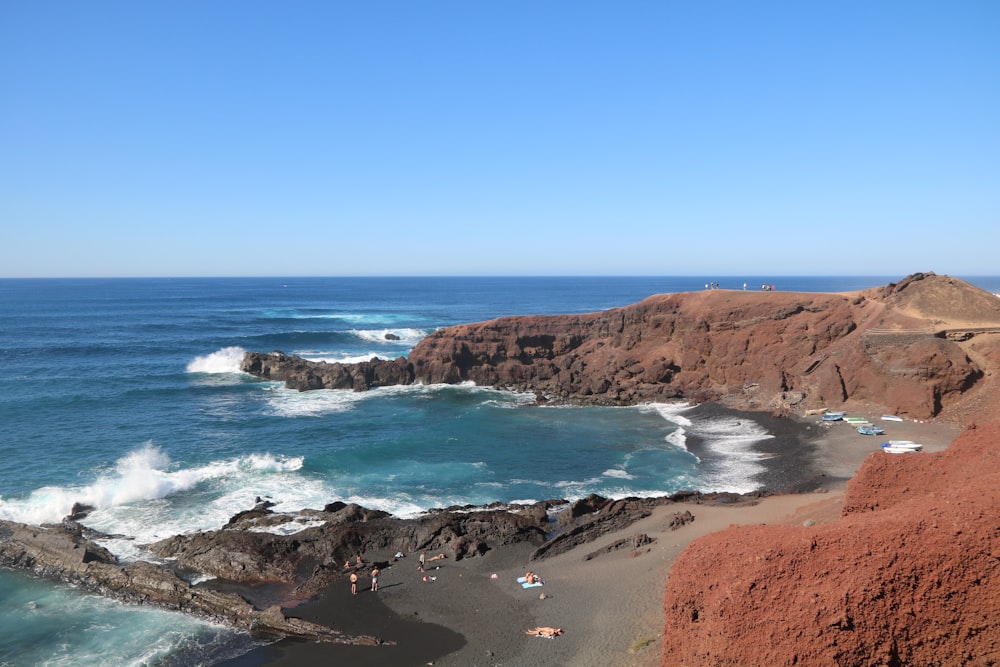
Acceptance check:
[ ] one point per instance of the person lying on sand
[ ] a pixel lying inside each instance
(531, 578)
(544, 631)
(438, 557)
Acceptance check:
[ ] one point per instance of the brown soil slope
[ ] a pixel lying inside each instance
(910, 575)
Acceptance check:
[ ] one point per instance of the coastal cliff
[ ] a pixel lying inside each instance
(908, 575)
(924, 347)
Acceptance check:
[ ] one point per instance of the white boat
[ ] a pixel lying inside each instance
(857, 421)
(889, 449)
(891, 418)
(901, 446)
(833, 416)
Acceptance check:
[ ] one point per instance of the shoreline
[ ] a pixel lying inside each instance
(610, 605)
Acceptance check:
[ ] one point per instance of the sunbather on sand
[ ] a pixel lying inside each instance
(544, 631)
(438, 557)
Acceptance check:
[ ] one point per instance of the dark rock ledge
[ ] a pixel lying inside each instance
(305, 563)
(62, 552)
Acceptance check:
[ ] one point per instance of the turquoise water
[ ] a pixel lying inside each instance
(126, 395)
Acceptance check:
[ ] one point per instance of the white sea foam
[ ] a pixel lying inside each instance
(618, 473)
(670, 411)
(226, 360)
(139, 475)
(270, 463)
(285, 402)
(735, 463)
(678, 438)
(315, 355)
(130, 499)
(407, 336)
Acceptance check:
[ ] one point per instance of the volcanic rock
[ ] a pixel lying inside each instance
(909, 575)
(61, 552)
(924, 347)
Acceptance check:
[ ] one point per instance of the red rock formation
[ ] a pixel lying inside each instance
(888, 347)
(910, 575)
(770, 350)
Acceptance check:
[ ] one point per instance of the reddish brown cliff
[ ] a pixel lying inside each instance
(924, 347)
(910, 575)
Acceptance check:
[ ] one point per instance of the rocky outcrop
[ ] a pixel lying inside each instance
(753, 350)
(243, 555)
(63, 552)
(312, 558)
(908, 576)
(297, 373)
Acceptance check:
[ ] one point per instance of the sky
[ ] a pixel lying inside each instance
(246, 138)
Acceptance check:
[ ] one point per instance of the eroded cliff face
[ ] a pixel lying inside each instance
(908, 576)
(889, 347)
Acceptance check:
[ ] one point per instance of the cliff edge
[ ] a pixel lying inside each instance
(925, 347)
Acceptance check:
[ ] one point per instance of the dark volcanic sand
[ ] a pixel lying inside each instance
(419, 640)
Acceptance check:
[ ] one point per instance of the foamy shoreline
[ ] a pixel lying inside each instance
(610, 606)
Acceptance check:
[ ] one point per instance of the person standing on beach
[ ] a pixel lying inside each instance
(374, 579)
(420, 565)
(354, 583)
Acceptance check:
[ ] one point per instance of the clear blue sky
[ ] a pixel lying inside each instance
(418, 137)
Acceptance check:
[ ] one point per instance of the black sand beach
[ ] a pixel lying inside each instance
(610, 605)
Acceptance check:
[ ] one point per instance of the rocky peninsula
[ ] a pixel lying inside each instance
(923, 348)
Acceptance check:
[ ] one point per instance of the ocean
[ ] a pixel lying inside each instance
(125, 394)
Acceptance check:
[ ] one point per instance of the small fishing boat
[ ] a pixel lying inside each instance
(891, 418)
(857, 421)
(870, 430)
(833, 416)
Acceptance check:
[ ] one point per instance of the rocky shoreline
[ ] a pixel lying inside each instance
(920, 348)
(301, 565)
(890, 349)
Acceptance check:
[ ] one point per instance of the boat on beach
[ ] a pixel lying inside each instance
(833, 416)
(901, 447)
(891, 418)
(870, 429)
(857, 421)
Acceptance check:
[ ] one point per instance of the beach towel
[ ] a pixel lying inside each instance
(524, 583)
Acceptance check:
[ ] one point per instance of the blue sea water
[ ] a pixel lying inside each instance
(125, 394)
